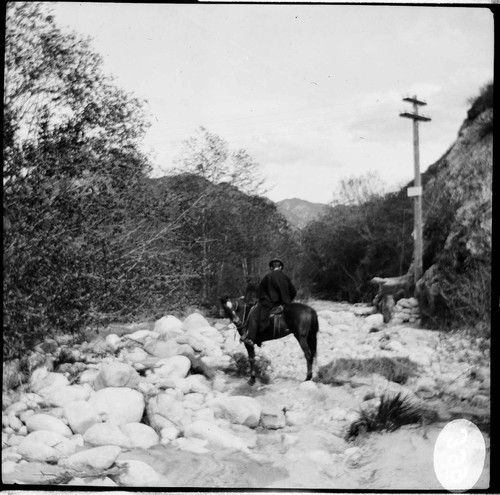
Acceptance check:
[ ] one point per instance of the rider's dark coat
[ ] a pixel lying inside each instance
(276, 288)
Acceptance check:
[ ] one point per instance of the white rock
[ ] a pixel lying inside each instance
(238, 409)
(197, 383)
(176, 366)
(78, 440)
(98, 458)
(112, 341)
(41, 378)
(194, 321)
(47, 422)
(141, 335)
(165, 410)
(31, 399)
(88, 376)
(60, 396)
(170, 433)
(214, 435)
(116, 375)
(92, 481)
(219, 362)
(162, 349)
(35, 451)
(8, 467)
(137, 474)
(273, 418)
(294, 418)
(142, 436)
(119, 404)
(364, 310)
(14, 422)
(16, 407)
(136, 355)
(62, 445)
(107, 434)
(81, 415)
(167, 327)
(205, 414)
(11, 454)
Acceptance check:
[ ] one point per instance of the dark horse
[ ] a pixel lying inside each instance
(296, 318)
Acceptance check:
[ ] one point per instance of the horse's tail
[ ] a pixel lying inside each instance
(312, 337)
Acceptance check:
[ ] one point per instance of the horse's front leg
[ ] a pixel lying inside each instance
(251, 359)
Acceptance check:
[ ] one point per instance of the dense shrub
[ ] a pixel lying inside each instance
(394, 369)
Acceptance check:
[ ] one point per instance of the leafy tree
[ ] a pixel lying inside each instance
(207, 155)
(71, 157)
(350, 245)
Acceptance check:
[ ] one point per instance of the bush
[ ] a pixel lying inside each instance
(394, 369)
(392, 413)
(241, 367)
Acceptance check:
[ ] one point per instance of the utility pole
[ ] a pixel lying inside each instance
(416, 190)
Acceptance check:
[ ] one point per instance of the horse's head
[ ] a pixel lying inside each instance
(235, 309)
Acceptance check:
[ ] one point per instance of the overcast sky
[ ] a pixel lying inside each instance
(312, 92)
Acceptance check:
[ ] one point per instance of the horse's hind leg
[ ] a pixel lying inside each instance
(308, 355)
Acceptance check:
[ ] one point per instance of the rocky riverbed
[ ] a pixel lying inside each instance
(133, 408)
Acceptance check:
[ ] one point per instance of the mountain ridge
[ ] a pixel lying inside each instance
(299, 212)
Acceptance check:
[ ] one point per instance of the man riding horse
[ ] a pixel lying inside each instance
(275, 289)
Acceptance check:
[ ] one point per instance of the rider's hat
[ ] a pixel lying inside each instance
(276, 260)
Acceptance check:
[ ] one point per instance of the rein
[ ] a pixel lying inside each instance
(245, 315)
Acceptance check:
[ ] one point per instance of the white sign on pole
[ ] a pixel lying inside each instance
(415, 191)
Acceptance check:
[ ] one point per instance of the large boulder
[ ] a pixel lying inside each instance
(98, 459)
(118, 404)
(238, 409)
(174, 367)
(168, 327)
(164, 411)
(41, 378)
(162, 349)
(35, 451)
(60, 396)
(107, 434)
(116, 375)
(141, 336)
(140, 435)
(48, 422)
(81, 415)
(137, 473)
(195, 321)
(60, 443)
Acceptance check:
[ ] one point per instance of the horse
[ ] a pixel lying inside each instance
(297, 318)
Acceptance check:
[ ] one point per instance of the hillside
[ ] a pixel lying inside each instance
(458, 222)
(300, 212)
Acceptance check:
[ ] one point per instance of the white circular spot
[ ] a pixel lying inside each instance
(459, 455)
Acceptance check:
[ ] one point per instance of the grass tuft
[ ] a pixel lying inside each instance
(392, 413)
